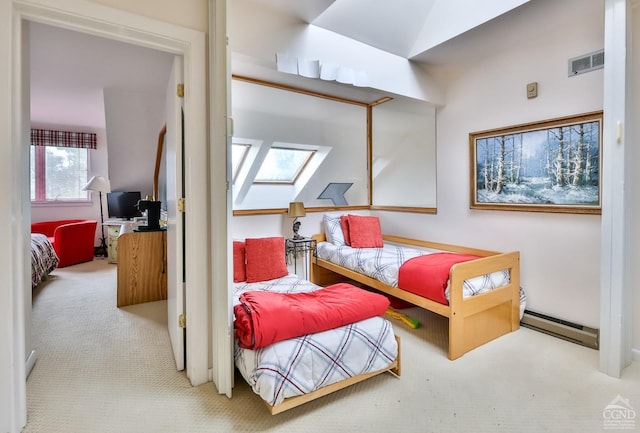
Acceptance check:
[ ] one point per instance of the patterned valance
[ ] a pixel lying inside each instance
(47, 137)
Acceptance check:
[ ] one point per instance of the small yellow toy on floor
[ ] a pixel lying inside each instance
(409, 321)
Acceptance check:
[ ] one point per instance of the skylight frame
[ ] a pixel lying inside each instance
(237, 165)
(291, 180)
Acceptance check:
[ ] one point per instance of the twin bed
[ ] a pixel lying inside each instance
(293, 371)
(482, 302)
(481, 295)
(43, 258)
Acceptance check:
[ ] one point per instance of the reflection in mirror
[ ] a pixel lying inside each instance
(404, 154)
(334, 132)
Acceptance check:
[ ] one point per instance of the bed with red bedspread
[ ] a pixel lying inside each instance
(477, 290)
(296, 341)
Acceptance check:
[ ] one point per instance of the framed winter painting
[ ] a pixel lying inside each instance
(548, 166)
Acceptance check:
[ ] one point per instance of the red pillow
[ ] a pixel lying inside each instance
(265, 259)
(239, 264)
(365, 231)
(344, 223)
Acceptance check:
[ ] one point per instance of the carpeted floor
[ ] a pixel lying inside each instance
(104, 369)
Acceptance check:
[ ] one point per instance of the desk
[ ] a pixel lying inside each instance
(142, 267)
(300, 247)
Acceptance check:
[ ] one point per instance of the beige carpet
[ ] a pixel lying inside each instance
(104, 369)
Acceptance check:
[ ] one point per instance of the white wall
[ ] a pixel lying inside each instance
(192, 14)
(134, 120)
(634, 153)
(560, 257)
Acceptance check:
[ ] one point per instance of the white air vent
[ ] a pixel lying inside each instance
(587, 63)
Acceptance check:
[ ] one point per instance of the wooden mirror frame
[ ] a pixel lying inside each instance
(369, 152)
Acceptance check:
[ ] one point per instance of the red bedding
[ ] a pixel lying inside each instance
(263, 318)
(427, 275)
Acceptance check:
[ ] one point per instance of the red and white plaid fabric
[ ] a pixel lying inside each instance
(48, 137)
(43, 258)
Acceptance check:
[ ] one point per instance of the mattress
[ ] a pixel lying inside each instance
(304, 364)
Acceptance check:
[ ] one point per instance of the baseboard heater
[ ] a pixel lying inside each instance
(573, 332)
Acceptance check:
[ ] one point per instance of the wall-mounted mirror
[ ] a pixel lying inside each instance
(404, 154)
(294, 145)
(289, 146)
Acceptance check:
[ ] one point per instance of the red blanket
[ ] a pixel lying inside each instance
(427, 275)
(263, 318)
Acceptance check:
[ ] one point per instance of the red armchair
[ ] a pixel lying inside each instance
(73, 240)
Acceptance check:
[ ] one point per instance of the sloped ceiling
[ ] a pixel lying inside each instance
(407, 28)
(70, 69)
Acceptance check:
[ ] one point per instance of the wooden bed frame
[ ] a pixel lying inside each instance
(473, 321)
(291, 402)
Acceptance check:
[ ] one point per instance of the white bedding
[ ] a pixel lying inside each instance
(303, 364)
(384, 263)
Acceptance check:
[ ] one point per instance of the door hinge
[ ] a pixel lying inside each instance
(182, 321)
(180, 90)
(181, 204)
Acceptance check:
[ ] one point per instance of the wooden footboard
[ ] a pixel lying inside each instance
(473, 321)
(292, 402)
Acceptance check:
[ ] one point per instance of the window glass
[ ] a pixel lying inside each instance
(283, 165)
(58, 173)
(238, 155)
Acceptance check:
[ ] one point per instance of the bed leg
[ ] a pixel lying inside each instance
(456, 336)
(397, 369)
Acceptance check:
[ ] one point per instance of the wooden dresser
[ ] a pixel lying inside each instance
(142, 267)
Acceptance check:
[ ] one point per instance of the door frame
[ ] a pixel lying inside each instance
(103, 21)
(221, 193)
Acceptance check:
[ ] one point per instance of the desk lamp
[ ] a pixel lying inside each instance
(296, 210)
(100, 184)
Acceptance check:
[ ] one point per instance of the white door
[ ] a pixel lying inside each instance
(175, 219)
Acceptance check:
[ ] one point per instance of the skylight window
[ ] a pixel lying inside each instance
(238, 156)
(283, 165)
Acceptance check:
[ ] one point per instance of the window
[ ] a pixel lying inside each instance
(238, 155)
(283, 165)
(59, 165)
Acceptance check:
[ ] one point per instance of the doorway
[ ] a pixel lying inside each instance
(121, 91)
(126, 27)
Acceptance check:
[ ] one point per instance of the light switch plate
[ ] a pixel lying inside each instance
(532, 90)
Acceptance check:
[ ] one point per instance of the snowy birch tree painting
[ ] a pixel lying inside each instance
(551, 166)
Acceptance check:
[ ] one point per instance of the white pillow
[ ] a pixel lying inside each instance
(333, 230)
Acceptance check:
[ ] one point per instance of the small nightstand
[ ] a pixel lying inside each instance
(296, 248)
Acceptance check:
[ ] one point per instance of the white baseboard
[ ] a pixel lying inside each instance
(30, 362)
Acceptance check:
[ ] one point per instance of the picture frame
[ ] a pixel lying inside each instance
(547, 166)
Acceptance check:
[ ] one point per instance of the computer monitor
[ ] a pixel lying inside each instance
(123, 204)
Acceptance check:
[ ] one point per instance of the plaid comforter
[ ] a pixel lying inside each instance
(304, 364)
(43, 258)
(384, 263)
